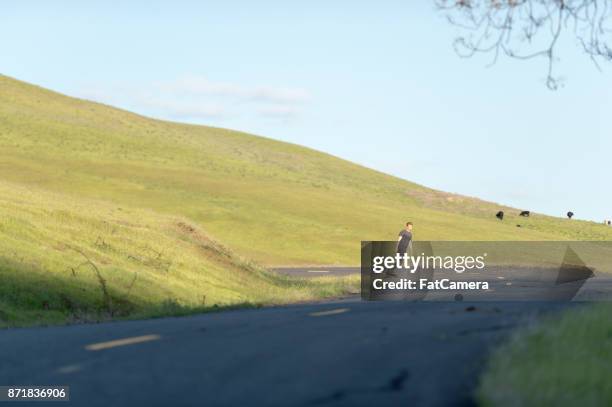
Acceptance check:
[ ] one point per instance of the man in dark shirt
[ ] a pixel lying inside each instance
(404, 241)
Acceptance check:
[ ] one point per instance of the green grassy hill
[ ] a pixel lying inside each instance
(274, 202)
(79, 260)
(148, 201)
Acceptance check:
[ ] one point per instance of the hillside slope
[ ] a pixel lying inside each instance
(273, 202)
(63, 260)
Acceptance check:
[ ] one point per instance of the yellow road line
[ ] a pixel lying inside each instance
(69, 369)
(122, 342)
(329, 312)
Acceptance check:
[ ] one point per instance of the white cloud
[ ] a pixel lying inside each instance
(196, 98)
(275, 111)
(198, 85)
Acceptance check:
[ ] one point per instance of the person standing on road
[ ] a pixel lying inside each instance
(404, 244)
(404, 240)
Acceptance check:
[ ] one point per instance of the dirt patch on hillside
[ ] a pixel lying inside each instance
(446, 201)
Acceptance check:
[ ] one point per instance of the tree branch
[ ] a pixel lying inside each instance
(527, 29)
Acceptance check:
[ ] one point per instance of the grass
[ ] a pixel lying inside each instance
(563, 362)
(72, 261)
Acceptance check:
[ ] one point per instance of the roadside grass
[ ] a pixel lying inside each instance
(565, 361)
(67, 261)
(274, 202)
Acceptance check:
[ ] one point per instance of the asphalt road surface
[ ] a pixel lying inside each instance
(339, 353)
(318, 271)
(342, 353)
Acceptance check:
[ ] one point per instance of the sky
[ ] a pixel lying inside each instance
(377, 83)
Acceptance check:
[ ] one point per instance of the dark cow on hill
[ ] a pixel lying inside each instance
(500, 215)
(570, 214)
(525, 213)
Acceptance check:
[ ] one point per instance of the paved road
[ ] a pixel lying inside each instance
(317, 271)
(506, 283)
(343, 353)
